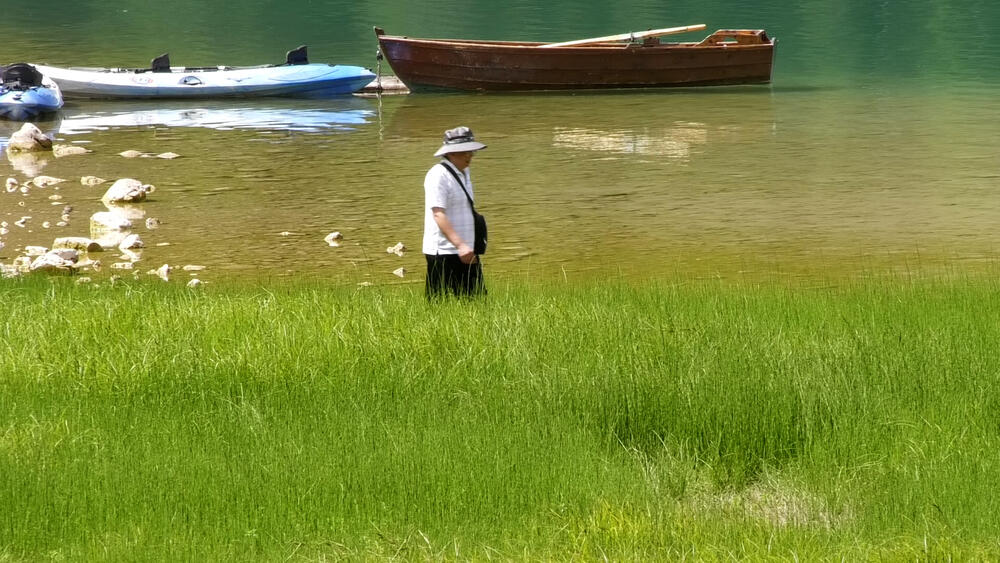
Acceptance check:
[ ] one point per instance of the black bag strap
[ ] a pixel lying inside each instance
(460, 183)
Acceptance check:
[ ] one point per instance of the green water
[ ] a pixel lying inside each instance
(874, 150)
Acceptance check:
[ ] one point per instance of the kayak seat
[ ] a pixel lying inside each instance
(161, 63)
(297, 56)
(21, 76)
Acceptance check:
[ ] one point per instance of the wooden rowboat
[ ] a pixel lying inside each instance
(728, 56)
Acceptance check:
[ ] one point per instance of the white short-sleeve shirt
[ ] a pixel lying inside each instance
(441, 190)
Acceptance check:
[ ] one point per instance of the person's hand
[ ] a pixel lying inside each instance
(466, 254)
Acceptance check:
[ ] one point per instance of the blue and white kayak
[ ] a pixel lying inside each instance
(26, 93)
(296, 77)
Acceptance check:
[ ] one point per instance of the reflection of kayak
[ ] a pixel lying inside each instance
(278, 115)
(296, 77)
(26, 93)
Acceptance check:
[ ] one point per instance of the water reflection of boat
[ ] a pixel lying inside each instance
(673, 141)
(670, 125)
(279, 115)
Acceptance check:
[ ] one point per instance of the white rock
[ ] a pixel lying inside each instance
(168, 155)
(83, 280)
(122, 266)
(399, 249)
(69, 254)
(11, 184)
(29, 138)
(194, 283)
(35, 250)
(163, 272)
(192, 268)
(152, 223)
(127, 190)
(130, 242)
(54, 262)
(334, 238)
(130, 154)
(400, 272)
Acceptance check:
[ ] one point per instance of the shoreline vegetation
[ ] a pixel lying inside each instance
(615, 420)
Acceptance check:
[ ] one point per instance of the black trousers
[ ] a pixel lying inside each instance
(446, 274)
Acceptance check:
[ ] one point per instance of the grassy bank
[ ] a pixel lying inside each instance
(303, 422)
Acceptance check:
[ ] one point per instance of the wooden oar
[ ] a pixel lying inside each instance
(627, 36)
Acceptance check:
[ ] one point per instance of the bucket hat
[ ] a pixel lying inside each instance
(459, 139)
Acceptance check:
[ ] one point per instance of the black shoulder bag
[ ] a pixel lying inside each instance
(480, 222)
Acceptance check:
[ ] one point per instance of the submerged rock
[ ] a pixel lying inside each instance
(82, 244)
(92, 181)
(68, 150)
(127, 190)
(46, 181)
(109, 221)
(9, 271)
(131, 154)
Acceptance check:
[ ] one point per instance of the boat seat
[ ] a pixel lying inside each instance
(297, 56)
(21, 75)
(161, 63)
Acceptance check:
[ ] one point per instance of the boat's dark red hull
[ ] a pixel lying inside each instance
(725, 57)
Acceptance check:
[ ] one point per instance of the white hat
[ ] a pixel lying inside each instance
(459, 139)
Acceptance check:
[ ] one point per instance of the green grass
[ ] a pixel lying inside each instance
(306, 422)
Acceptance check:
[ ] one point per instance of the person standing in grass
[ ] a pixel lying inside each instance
(449, 230)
